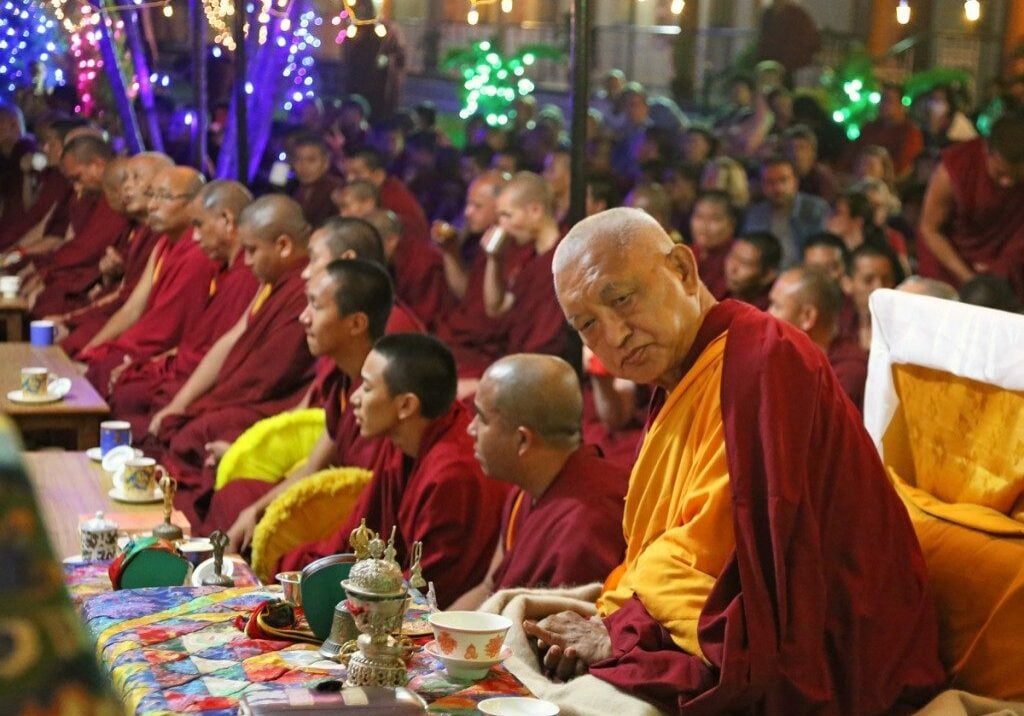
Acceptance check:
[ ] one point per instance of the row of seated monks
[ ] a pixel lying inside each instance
(757, 557)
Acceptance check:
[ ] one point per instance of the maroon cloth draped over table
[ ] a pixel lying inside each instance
(148, 386)
(315, 199)
(572, 534)
(181, 289)
(396, 197)
(440, 498)
(536, 323)
(135, 247)
(351, 450)
(711, 268)
(418, 272)
(267, 371)
(823, 606)
(73, 268)
(987, 222)
(476, 339)
(54, 190)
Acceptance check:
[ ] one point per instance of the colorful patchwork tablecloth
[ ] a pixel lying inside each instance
(177, 649)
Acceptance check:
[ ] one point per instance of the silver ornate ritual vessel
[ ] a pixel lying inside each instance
(377, 599)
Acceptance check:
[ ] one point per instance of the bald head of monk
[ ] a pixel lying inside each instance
(389, 226)
(342, 238)
(810, 300)
(171, 192)
(529, 412)
(481, 210)
(113, 179)
(141, 170)
(357, 198)
(275, 236)
(633, 295)
(526, 208)
(214, 215)
(84, 162)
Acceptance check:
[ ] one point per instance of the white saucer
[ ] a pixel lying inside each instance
(464, 669)
(157, 496)
(205, 569)
(517, 706)
(96, 453)
(56, 389)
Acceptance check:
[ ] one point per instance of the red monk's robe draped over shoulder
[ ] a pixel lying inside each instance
(74, 267)
(54, 190)
(268, 370)
(476, 339)
(352, 450)
(418, 271)
(315, 199)
(181, 289)
(823, 606)
(537, 324)
(147, 386)
(569, 536)
(440, 498)
(987, 225)
(135, 247)
(395, 196)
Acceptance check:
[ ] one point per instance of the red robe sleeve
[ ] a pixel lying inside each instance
(802, 618)
(419, 278)
(573, 534)
(395, 196)
(536, 322)
(54, 191)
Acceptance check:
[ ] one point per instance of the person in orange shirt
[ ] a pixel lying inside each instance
(759, 521)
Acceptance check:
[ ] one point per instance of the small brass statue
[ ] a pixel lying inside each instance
(219, 540)
(165, 530)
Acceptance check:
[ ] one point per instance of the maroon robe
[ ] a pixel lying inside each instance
(803, 617)
(148, 386)
(394, 196)
(987, 223)
(418, 271)
(74, 267)
(572, 534)
(850, 363)
(181, 289)
(537, 324)
(440, 498)
(618, 446)
(476, 339)
(267, 371)
(315, 199)
(351, 450)
(54, 190)
(711, 268)
(136, 247)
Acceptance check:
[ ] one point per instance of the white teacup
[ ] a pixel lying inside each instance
(138, 478)
(9, 286)
(34, 381)
(469, 636)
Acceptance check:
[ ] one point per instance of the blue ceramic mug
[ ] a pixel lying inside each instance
(41, 333)
(114, 433)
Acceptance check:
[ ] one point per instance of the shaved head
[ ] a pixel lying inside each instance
(170, 193)
(184, 179)
(113, 178)
(224, 195)
(276, 215)
(140, 172)
(539, 392)
(618, 229)
(526, 188)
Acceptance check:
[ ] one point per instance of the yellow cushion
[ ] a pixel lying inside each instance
(309, 510)
(273, 447)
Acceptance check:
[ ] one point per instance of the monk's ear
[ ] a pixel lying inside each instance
(808, 317)
(229, 219)
(407, 405)
(359, 322)
(524, 440)
(683, 263)
(284, 245)
(348, 254)
(846, 283)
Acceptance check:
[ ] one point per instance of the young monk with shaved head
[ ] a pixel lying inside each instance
(173, 289)
(258, 368)
(759, 521)
(561, 526)
(147, 386)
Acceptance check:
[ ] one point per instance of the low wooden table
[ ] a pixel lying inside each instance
(80, 411)
(12, 315)
(69, 485)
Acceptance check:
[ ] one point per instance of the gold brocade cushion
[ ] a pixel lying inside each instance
(309, 510)
(959, 440)
(272, 448)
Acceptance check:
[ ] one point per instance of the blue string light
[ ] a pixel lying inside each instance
(27, 34)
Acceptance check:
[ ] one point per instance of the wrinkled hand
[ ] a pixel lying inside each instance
(569, 643)
(111, 263)
(240, 533)
(215, 451)
(154, 424)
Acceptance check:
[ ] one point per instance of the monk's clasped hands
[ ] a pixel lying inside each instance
(569, 643)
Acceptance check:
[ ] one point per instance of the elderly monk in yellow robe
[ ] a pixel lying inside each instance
(770, 566)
